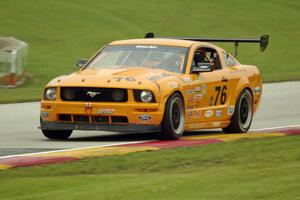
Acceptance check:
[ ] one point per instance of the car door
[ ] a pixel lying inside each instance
(208, 94)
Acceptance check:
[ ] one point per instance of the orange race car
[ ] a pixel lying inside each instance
(166, 85)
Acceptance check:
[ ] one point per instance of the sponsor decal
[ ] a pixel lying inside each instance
(209, 113)
(198, 96)
(191, 100)
(203, 88)
(174, 85)
(190, 92)
(206, 125)
(189, 107)
(146, 47)
(130, 79)
(257, 90)
(105, 111)
(211, 101)
(145, 117)
(198, 89)
(197, 114)
(158, 77)
(44, 114)
(196, 125)
(218, 113)
(186, 79)
(230, 110)
(190, 113)
(215, 124)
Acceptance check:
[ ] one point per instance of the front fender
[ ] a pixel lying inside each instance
(169, 90)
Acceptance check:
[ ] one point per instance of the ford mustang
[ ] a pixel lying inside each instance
(165, 85)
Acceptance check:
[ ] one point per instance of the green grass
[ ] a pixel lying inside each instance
(61, 31)
(246, 169)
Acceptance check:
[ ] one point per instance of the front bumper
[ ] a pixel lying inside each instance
(138, 116)
(100, 127)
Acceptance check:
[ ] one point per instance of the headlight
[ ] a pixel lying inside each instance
(146, 96)
(118, 95)
(50, 94)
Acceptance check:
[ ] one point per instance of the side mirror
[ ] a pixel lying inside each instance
(81, 62)
(202, 67)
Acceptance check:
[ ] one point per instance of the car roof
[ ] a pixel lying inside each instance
(165, 41)
(156, 41)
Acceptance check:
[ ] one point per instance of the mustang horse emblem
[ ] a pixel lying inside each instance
(92, 94)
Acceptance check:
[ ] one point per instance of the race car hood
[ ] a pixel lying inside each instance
(133, 78)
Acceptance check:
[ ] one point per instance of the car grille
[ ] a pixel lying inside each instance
(93, 119)
(89, 94)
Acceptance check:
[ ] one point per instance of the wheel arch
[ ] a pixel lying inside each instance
(242, 84)
(250, 90)
(180, 93)
(170, 94)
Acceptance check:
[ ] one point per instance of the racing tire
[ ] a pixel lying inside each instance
(173, 121)
(57, 134)
(243, 114)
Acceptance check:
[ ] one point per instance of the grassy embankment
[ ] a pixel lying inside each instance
(246, 169)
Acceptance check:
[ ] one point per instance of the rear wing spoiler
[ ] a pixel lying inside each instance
(263, 40)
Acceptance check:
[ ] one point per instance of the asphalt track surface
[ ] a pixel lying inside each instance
(19, 133)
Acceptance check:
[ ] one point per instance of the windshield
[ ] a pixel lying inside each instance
(152, 56)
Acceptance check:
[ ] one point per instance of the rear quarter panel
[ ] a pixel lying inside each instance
(246, 76)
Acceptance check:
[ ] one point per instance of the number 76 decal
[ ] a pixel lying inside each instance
(221, 90)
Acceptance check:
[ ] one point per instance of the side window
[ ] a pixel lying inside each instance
(207, 55)
(229, 60)
(214, 56)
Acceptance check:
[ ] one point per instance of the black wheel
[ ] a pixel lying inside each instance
(243, 114)
(57, 134)
(173, 121)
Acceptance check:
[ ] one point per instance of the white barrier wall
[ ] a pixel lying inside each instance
(13, 58)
